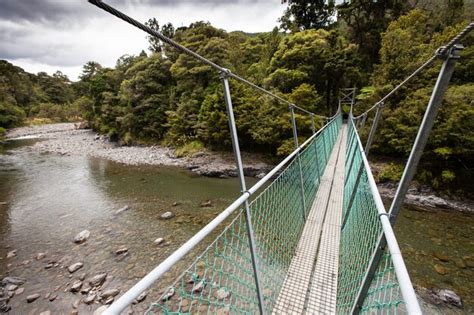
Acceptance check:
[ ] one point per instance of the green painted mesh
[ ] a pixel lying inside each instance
(221, 278)
(359, 237)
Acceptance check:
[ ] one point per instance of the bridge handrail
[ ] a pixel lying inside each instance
(406, 286)
(189, 52)
(128, 297)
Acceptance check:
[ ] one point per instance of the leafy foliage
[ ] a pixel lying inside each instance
(171, 98)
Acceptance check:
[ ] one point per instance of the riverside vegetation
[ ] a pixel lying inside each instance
(164, 97)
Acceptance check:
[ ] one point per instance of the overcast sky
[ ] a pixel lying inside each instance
(50, 35)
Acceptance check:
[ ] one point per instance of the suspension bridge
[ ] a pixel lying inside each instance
(313, 235)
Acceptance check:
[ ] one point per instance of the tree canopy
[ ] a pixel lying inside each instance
(170, 98)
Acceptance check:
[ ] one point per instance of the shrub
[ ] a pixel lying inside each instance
(189, 149)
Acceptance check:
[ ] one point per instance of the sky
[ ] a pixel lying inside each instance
(51, 35)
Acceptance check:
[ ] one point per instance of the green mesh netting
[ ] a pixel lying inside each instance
(359, 236)
(221, 279)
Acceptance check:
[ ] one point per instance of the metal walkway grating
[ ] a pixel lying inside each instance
(319, 243)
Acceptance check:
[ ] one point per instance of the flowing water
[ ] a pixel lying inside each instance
(45, 200)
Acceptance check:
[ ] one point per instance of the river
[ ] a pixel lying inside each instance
(46, 199)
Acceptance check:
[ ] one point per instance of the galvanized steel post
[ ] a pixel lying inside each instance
(295, 138)
(243, 187)
(373, 129)
(450, 58)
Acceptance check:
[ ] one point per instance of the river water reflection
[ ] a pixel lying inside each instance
(45, 200)
(50, 198)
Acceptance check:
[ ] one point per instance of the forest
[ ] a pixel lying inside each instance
(163, 97)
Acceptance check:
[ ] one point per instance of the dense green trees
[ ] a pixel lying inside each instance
(170, 98)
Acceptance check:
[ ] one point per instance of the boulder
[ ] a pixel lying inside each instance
(450, 297)
(81, 237)
(109, 293)
(76, 286)
(98, 279)
(11, 254)
(19, 291)
(222, 294)
(141, 297)
(206, 204)
(32, 297)
(13, 280)
(158, 241)
(167, 215)
(198, 287)
(440, 269)
(121, 251)
(40, 256)
(75, 267)
(89, 299)
(167, 295)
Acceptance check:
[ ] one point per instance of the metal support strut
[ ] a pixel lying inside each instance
(373, 129)
(295, 138)
(445, 74)
(243, 188)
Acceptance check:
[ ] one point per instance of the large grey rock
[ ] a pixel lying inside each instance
(75, 267)
(158, 241)
(198, 287)
(13, 280)
(40, 256)
(450, 297)
(11, 254)
(168, 294)
(140, 298)
(19, 291)
(167, 215)
(122, 250)
(81, 237)
(98, 279)
(76, 286)
(109, 293)
(222, 294)
(32, 297)
(433, 201)
(89, 299)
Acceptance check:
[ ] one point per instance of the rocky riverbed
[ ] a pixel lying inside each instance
(68, 139)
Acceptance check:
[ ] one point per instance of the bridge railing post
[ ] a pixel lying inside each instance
(373, 129)
(295, 138)
(243, 187)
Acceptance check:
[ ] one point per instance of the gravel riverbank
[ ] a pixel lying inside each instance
(66, 139)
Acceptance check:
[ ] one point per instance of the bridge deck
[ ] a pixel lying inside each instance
(311, 283)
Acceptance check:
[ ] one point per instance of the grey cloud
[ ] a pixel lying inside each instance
(56, 11)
